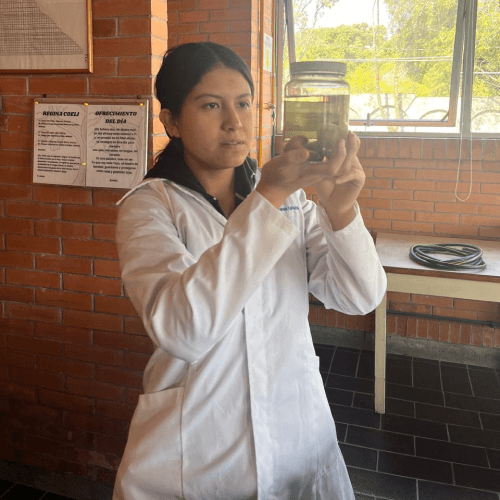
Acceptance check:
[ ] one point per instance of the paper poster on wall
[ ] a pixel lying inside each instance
(60, 144)
(98, 145)
(116, 141)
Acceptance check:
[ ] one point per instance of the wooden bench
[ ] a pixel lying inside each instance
(406, 276)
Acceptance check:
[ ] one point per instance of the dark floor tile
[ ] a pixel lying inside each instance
(414, 394)
(490, 421)
(341, 431)
(400, 407)
(434, 491)
(380, 440)
(414, 427)
(494, 458)
(485, 384)
(325, 355)
(447, 415)
(472, 403)
(53, 496)
(366, 367)
(365, 401)
(398, 370)
(359, 496)
(474, 437)
(418, 468)
(350, 384)
(477, 477)
(21, 492)
(345, 362)
(5, 485)
(383, 485)
(356, 416)
(451, 452)
(357, 456)
(426, 375)
(339, 397)
(455, 379)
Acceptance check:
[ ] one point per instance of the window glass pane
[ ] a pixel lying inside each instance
(486, 88)
(399, 54)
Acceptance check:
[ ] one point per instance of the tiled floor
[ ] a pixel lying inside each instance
(11, 491)
(439, 438)
(440, 435)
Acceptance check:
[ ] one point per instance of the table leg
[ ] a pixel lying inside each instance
(380, 353)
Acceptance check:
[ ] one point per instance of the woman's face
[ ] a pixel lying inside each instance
(216, 121)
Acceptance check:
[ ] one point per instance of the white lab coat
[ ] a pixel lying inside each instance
(234, 405)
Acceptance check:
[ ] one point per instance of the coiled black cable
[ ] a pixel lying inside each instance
(469, 256)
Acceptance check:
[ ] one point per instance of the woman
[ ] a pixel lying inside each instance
(218, 260)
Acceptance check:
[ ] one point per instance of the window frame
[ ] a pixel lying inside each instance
(462, 69)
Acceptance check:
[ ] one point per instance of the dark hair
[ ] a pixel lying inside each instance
(182, 68)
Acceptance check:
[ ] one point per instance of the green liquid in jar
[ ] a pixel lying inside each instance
(324, 120)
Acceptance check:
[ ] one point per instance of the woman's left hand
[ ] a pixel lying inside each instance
(338, 193)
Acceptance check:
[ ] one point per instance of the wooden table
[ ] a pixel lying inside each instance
(406, 276)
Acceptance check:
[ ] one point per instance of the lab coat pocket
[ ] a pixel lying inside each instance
(152, 461)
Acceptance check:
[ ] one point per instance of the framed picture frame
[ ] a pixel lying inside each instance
(46, 36)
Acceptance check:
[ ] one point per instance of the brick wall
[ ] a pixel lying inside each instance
(410, 189)
(72, 349)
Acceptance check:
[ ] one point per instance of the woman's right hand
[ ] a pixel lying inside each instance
(285, 174)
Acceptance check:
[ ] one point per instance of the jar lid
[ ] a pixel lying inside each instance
(317, 67)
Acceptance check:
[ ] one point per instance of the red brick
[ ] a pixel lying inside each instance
(465, 334)
(16, 104)
(121, 86)
(114, 410)
(105, 66)
(19, 359)
(135, 326)
(16, 141)
(416, 227)
(110, 268)
(454, 333)
(182, 39)
(440, 175)
(405, 215)
(17, 123)
(94, 389)
(106, 215)
(107, 196)
(122, 341)
(31, 312)
(16, 294)
(479, 220)
(104, 27)
(134, 26)
(19, 159)
(67, 229)
(477, 335)
(119, 376)
(68, 85)
(15, 326)
(74, 368)
(66, 401)
(13, 86)
(457, 208)
(73, 265)
(415, 185)
(16, 391)
(131, 66)
(462, 188)
(432, 301)
(31, 210)
(458, 230)
(230, 39)
(453, 313)
(61, 194)
(136, 361)
(114, 305)
(92, 284)
(66, 300)
(104, 232)
(90, 248)
(127, 8)
(64, 334)
(444, 332)
(32, 244)
(395, 173)
(32, 278)
(34, 345)
(396, 194)
(434, 196)
(38, 378)
(437, 217)
(488, 337)
(16, 226)
(13, 192)
(94, 354)
(15, 175)
(92, 320)
(217, 27)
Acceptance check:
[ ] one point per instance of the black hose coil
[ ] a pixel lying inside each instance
(468, 256)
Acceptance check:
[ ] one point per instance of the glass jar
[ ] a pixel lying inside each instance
(317, 106)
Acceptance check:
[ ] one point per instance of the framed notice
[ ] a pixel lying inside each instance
(53, 36)
(97, 144)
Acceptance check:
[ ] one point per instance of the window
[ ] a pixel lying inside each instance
(425, 66)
